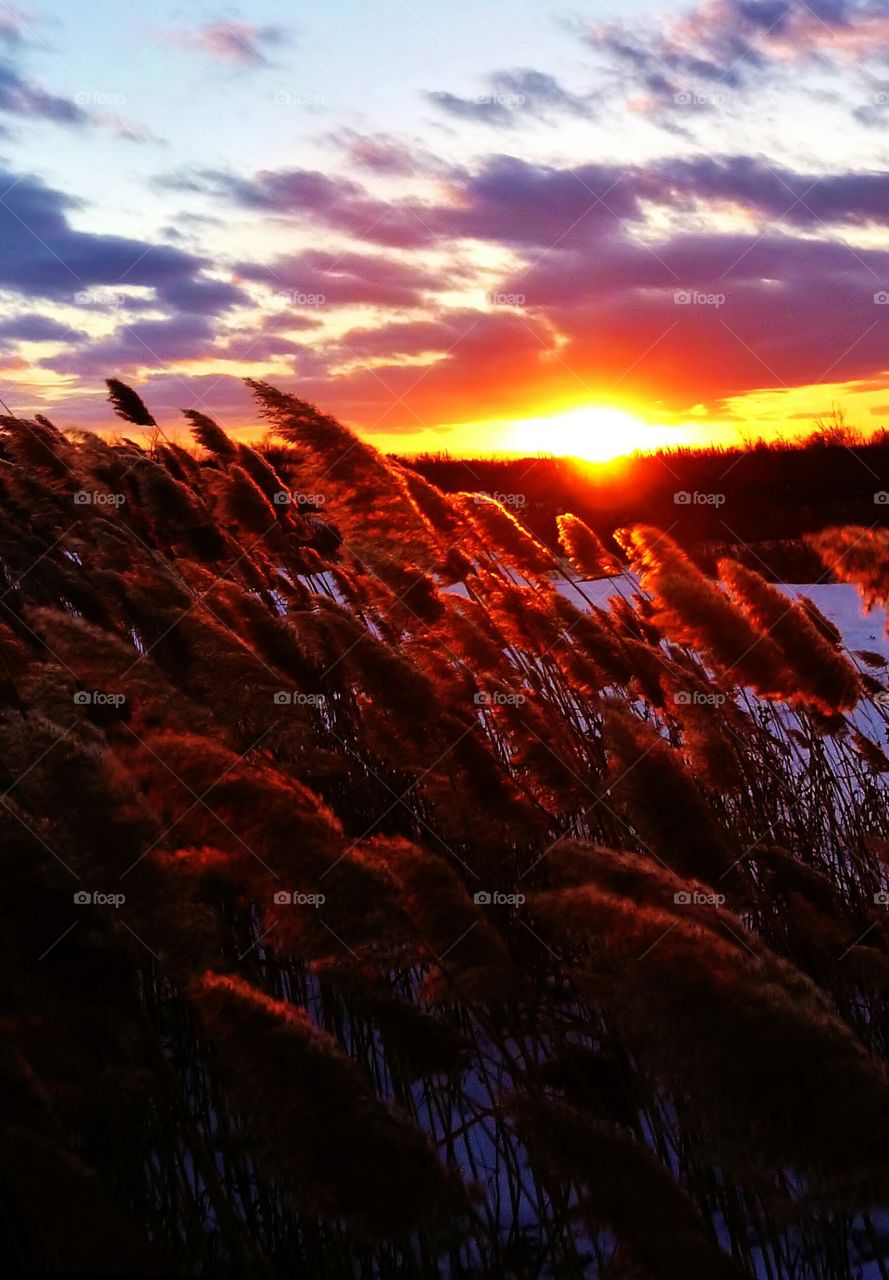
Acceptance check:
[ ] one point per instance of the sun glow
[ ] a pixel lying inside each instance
(597, 433)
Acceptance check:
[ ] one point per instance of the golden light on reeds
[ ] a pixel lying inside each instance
(458, 926)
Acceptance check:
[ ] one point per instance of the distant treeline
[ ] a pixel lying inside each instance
(711, 500)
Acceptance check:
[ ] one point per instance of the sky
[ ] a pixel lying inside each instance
(457, 225)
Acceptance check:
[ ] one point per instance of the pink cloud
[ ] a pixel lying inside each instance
(233, 42)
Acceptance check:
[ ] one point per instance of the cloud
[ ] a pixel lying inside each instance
(238, 43)
(166, 394)
(13, 24)
(594, 303)
(772, 191)
(701, 317)
(506, 200)
(726, 45)
(489, 364)
(201, 296)
(30, 327)
(485, 109)
(42, 255)
(23, 98)
(20, 97)
(146, 343)
(344, 279)
(516, 94)
(384, 154)
(513, 203)
(309, 195)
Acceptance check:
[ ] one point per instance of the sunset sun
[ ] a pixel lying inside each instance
(596, 433)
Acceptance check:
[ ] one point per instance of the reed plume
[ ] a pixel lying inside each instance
(819, 672)
(128, 404)
(665, 805)
(211, 436)
(858, 555)
(626, 1190)
(738, 1031)
(585, 549)
(345, 1154)
(694, 611)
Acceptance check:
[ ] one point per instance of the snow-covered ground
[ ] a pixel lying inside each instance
(840, 602)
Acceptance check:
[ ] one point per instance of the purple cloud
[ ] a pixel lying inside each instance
(42, 255)
(342, 279)
(727, 44)
(146, 343)
(516, 94)
(22, 98)
(37, 328)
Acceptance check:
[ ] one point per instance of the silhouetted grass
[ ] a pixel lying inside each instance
(436, 926)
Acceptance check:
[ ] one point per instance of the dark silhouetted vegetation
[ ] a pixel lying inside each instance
(374, 907)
